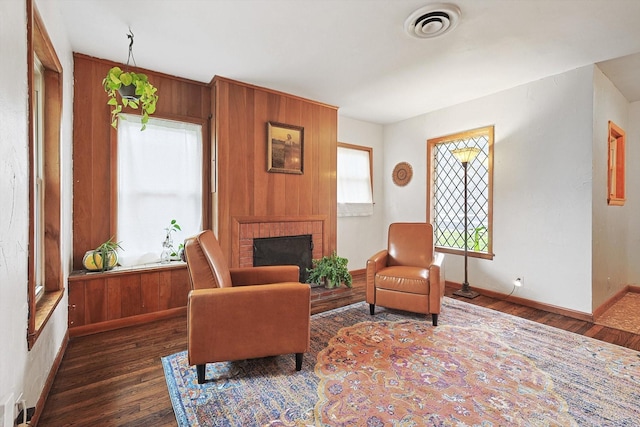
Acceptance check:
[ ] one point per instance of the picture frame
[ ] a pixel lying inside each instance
(285, 148)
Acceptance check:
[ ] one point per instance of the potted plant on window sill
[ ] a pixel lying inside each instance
(135, 91)
(93, 260)
(168, 251)
(330, 270)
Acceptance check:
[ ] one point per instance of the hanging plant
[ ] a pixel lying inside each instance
(141, 94)
(134, 89)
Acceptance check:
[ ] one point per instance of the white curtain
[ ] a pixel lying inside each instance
(354, 183)
(159, 179)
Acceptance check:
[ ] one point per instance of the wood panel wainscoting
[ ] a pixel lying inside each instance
(114, 299)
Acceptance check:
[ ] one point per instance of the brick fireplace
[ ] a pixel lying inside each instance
(249, 228)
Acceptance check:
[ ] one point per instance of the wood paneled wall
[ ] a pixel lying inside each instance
(94, 141)
(245, 188)
(238, 130)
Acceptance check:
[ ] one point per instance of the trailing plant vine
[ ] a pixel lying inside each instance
(145, 96)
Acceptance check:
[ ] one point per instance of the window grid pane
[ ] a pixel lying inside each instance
(448, 193)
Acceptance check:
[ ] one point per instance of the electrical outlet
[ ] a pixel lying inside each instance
(519, 282)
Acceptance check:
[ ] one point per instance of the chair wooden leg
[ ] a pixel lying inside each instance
(299, 361)
(201, 369)
(372, 309)
(435, 319)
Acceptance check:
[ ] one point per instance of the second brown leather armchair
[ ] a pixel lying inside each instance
(242, 313)
(409, 274)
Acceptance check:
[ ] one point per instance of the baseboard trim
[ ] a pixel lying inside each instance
(358, 273)
(124, 322)
(49, 382)
(574, 314)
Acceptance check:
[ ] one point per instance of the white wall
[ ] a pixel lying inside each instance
(23, 371)
(633, 194)
(611, 254)
(542, 185)
(360, 237)
(14, 204)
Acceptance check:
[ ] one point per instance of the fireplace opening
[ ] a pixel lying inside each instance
(286, 250)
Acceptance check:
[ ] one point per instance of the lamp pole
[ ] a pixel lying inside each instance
(466, 155)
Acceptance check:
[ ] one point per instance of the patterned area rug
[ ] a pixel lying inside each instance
(477, 368)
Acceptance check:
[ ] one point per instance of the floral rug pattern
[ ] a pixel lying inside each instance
(477, 368)
(406, 372)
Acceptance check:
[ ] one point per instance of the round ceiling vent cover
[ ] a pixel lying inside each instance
(432, 21)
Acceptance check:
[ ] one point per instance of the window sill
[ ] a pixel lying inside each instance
(44, 310)
(83, 274)
(470, 254)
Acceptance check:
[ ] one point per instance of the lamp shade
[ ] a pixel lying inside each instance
(466, 154)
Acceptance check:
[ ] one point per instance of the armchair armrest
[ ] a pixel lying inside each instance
(247, 322)
(436, 281)
(376, 262)
(264, 275)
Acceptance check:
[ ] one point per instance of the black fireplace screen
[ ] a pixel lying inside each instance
(286, 250)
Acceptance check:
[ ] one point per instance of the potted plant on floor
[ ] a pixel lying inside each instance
(135, 91)
(94, 260)
(330, 270)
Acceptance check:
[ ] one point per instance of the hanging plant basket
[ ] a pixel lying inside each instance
(142, 94)
(128, 92)
(134, 89)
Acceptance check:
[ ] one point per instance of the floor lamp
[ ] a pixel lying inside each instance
(465, 156)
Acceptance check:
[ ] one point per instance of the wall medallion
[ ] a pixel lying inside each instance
(402, 174)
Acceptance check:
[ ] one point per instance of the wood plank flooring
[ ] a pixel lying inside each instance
(115, 378)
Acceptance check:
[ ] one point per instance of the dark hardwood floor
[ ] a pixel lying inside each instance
(115, 378)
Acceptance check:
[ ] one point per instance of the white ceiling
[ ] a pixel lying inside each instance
(354, 53)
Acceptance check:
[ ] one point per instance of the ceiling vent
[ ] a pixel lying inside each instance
(432, 21)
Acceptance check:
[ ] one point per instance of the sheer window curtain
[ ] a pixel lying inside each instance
(354, 183)
(159, 179)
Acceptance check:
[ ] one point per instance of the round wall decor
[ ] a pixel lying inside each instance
(402, 174)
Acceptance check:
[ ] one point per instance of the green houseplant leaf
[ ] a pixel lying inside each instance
(103, 256)
(332, 269)
(145, 97)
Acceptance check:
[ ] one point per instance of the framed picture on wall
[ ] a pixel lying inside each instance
(285, 148)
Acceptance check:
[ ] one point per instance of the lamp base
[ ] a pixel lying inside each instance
(466, 292)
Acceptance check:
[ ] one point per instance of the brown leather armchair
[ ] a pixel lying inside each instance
(242, 313)
(408, 275)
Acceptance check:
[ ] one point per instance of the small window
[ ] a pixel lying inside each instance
(38, 177)
(355, 190)
(159, 180)
(616, 182)
(446, 192)
(46, 281)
